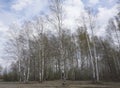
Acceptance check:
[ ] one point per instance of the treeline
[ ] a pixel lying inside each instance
(61, 54)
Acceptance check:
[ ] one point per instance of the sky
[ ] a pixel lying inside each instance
(17, 11)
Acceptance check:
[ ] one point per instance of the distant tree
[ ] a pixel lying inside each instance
(1, 70)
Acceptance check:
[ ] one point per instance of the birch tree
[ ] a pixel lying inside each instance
(92, 26)
(57, 21)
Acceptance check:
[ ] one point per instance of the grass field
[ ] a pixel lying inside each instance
(58, 84)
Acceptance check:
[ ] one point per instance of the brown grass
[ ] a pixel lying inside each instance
(58, 84)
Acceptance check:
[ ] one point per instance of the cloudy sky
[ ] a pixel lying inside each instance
(16, 11)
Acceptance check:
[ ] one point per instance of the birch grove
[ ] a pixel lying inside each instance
(44, 49)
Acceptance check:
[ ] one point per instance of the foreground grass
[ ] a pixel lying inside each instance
(58, 84)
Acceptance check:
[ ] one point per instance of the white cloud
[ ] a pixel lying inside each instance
(7, 17)
(3, 27)
(93, 2)
(104, 16)
(73, 9)
(21, 4)
(26, 9)
(110, 1)
(36, 7)
(3, 36)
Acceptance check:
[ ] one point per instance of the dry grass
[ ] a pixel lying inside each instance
(58, 84)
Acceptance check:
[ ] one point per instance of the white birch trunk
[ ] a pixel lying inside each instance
(92, 61)
(19, 66)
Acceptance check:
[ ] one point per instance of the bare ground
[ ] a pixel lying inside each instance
(58, 84)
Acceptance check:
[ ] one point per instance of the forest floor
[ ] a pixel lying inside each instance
(58, 84)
